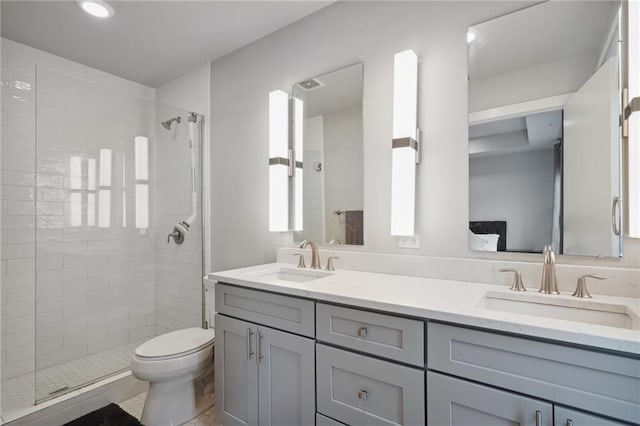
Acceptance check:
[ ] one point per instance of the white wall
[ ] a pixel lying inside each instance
(343, 168)
(179, 268)
(516, 188)
(87, 277)
(342, 34)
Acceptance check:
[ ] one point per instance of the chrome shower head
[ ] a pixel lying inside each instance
(167, 124)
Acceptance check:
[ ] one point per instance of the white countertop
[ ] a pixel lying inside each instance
(446, 300)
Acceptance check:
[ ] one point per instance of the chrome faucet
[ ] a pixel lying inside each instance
(549, 283)
(315, 257)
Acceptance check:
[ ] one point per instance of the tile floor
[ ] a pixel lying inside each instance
(21, 392)
(134, 406)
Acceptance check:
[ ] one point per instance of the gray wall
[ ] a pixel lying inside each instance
(341, 34)
(517, 188)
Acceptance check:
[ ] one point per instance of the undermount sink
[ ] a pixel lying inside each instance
(562, 308)
(296, 275)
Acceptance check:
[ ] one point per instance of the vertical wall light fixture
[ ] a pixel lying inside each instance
(280, 161)
(298, 138)
(632, 116)
(405, 145)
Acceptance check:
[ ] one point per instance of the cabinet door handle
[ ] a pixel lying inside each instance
(260, 355)
(363, 394)
(249, 351)
(569, 422)
(616, 216)
(362, 331)
(538, 418)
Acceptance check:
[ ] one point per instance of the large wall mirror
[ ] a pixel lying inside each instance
(332, 167)
(544, 134)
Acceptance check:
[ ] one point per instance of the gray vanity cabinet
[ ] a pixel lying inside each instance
(604, 383)
(237, 372)
(455, 402)
(266, 376)
(285, 360)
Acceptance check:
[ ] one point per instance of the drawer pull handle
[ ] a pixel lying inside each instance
(362, 332)
(363, 394)
(538, 418)
(569, 422)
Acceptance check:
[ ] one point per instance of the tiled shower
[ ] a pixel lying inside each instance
(91, 186)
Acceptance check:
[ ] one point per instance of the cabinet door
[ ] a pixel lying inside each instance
(286, 378)
(236, 372)
(455, 402)
(568, 417)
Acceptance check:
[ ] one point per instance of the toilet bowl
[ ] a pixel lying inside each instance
(179, 368)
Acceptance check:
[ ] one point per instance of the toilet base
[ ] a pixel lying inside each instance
(172, 403)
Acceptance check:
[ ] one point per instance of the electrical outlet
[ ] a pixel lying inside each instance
(412, 241)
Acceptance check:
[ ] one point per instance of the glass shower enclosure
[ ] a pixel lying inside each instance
(108, 185)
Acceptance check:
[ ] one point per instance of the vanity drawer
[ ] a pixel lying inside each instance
(358, 390)
(602, 383)
(281, 312)
(387, 336)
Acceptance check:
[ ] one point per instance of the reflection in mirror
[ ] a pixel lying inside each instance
(333, 165)
(544, 134)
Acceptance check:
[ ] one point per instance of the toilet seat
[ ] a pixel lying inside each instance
(175, 344)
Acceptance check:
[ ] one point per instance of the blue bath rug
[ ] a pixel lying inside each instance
(111, 415)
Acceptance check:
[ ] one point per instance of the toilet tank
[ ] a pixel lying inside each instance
(209, 302)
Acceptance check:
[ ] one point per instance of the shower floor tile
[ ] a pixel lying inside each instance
(21, 392)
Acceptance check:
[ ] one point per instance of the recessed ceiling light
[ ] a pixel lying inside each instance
(471, 35)
(97, 8)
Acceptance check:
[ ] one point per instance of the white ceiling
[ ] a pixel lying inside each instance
(150, 42)
(539, 34)
(518, 134)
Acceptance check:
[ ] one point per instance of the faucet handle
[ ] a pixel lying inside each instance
(330, 266)
(301, 263)
(581, 289)
(177, 235)
(517, 279)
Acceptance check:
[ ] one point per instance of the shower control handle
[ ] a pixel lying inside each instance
(177, 235)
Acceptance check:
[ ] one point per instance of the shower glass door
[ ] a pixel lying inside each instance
(95, 242)
(111, 185)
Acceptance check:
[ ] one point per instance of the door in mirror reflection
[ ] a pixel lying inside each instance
(330, 170)
(544, 134)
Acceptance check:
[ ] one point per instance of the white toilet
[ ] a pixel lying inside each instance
(179, 368)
